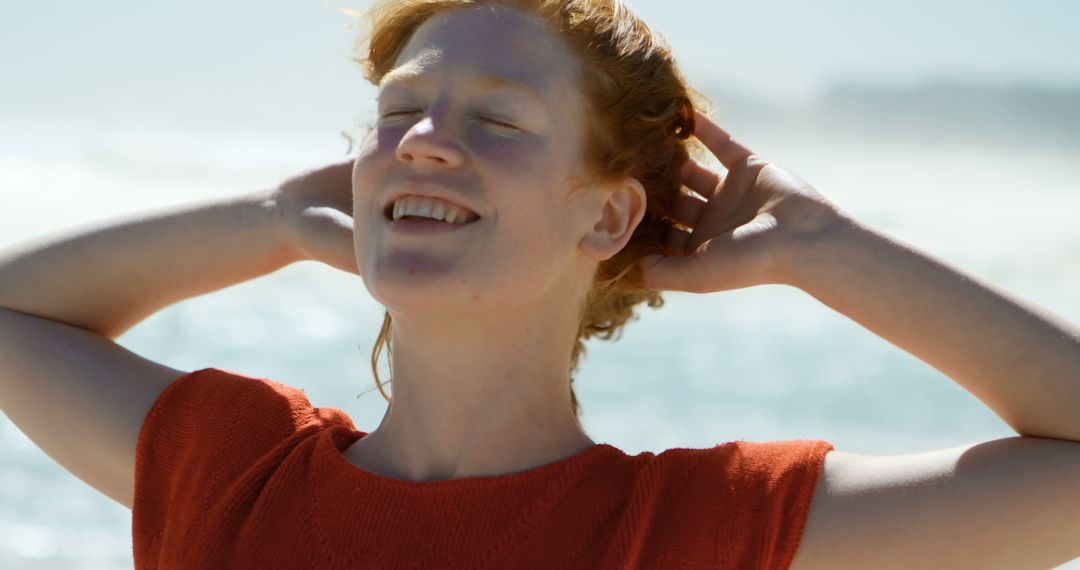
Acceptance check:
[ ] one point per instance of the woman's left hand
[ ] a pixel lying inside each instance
(747, 229)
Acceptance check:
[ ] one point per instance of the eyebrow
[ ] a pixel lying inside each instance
(486, 81)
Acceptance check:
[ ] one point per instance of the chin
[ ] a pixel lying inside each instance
(411, 294)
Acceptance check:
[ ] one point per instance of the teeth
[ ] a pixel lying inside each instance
(431, 208)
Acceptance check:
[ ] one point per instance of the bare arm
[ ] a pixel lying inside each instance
(1019, 359)
(107, 276)
(65, 383)
(1009, 503)
(760, 224)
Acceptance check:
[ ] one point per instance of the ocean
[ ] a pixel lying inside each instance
(759, 364)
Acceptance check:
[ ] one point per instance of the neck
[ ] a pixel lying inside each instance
(470, 403)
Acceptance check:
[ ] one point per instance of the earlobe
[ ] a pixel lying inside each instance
(621, 213)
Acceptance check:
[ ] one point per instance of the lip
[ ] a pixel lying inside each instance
(417, 227)
(425, 190)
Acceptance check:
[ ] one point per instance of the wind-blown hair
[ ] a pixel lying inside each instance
(642, 118)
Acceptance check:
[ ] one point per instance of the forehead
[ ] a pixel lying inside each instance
(495, 45)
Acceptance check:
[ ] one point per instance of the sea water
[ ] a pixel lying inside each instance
(759, 364)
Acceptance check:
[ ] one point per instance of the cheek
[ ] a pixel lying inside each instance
(385, 139)
(542, 232)
(373, 158)
(380, 144)
(537, 183)
(524, 156)
(374, 141)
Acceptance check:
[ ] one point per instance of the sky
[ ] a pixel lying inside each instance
(790, 51)
(277, 65)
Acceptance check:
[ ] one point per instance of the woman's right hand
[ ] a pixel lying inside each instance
(316, 210)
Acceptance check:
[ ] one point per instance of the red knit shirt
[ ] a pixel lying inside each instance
(234, 471)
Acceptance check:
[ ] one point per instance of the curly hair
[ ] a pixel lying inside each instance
(642, 121)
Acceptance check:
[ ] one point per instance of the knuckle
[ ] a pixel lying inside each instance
(756, 161)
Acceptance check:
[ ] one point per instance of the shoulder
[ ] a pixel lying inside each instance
(212, 422)
(231, 398)
(740, 503)
(211, 425)
(741, 462)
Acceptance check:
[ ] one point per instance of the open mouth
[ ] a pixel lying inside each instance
(388, 214)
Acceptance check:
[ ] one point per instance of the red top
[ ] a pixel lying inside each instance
(234, 471)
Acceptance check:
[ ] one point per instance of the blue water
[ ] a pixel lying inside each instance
(760, 364)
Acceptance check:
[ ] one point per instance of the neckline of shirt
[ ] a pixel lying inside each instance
(336, 439)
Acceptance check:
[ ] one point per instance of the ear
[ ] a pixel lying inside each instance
(619, 217)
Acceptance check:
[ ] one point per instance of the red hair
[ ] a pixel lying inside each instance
(642, 114)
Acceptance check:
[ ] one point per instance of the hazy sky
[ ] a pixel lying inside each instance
(282, 63)
(789, 50)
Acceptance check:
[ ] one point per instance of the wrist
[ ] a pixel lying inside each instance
(813, 251)
(271, 214)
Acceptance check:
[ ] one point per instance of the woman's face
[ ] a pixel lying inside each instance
(482, 107)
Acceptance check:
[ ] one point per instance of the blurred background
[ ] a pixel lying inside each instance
(952, 126)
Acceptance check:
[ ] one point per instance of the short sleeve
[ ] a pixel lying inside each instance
(773, 485)
(737, 505)
(202, 433)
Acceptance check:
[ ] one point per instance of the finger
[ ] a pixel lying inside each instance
(688, 207)
(342, 254)
(700, 179)
(739, 258)
(715, 219)
(675, 244)
(703, 185)
(329, 238)
(730, 151)
(664, 273)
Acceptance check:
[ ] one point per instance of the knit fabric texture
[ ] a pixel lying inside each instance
(234, 471)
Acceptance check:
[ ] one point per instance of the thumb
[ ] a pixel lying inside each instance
(343, 252)
(342, 249)
(330, 239)
(665, 273)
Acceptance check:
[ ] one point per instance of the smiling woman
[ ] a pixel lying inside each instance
(550, 207)
(562, 131)
(558, 92)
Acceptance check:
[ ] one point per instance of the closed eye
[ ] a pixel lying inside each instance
(498, 123)
(404, 112)
(488, 120)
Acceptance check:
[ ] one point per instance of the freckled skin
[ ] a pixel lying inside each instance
(522, 178)
(483, 317)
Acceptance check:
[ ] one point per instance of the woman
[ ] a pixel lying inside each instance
(552, 138)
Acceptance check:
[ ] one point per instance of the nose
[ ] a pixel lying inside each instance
(428, 144)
